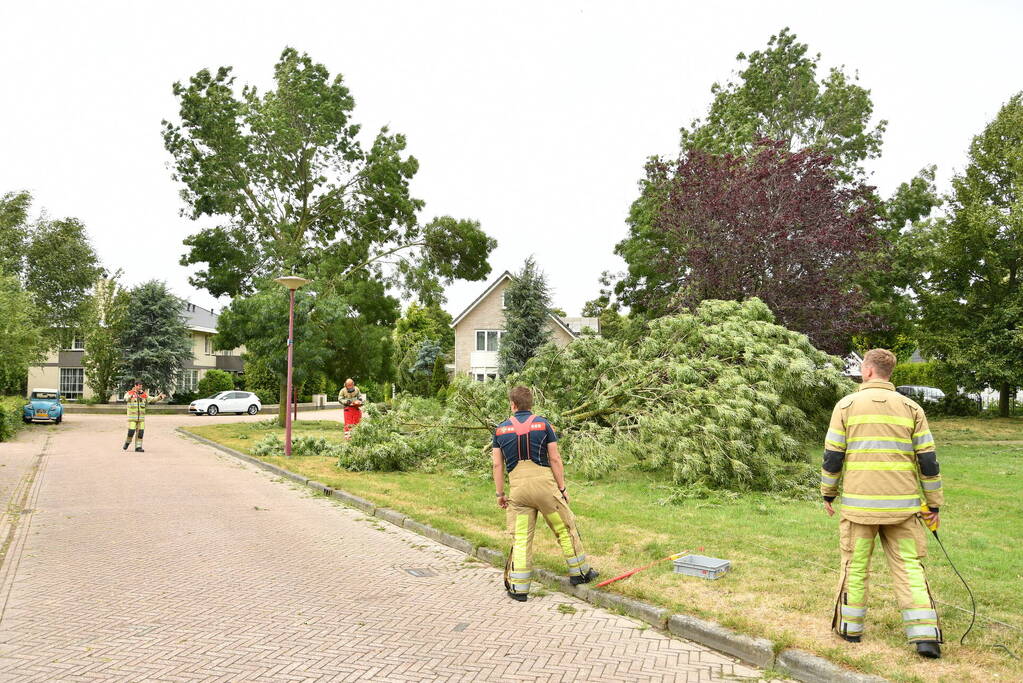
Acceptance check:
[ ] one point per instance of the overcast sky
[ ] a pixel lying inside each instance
(534, 118)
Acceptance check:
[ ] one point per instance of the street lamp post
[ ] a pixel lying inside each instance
(292, 282)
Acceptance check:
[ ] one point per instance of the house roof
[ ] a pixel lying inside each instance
(198, 318)
(489, 290)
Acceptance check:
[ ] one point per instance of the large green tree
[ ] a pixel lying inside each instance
(14, 208)
(103, 325)
(296, 189)
(777, 95)
(155, 340)
(21, 337)
(973, 300)
(54, 260)
(527, 301)
(421, 336)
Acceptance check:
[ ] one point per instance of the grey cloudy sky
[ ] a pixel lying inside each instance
(533, 117)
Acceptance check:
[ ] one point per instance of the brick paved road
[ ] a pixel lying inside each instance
(184, 564)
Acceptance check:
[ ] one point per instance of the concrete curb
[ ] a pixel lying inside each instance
(813, 669)
(801, 665)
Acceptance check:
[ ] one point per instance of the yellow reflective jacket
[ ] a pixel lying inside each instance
(137, 404)
(880, 447)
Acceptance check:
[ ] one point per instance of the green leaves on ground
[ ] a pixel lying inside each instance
(723, 397)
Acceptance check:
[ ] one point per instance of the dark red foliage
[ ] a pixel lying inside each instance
(778, 226)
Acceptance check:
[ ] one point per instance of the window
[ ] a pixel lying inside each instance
(503, 306)
(72, 381)
(206, 344)
(77, 343)
(187, 381)
(488, 340)
(484, 374)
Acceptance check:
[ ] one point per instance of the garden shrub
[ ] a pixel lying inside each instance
(213, 382)
(10, 416)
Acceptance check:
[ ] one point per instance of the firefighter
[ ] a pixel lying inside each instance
(880, 447)
(137, 400)
(352, 401)
(526, 446)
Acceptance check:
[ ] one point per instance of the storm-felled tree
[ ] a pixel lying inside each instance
(973, 300)
(527, 300)
(21, 337)
(777, 226)
(102, 329)
(296, 191)
(154, 338)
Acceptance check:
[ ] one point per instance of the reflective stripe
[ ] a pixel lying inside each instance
(858, 439)
(835, 436)
(835, 446)
(853, 612)
(828, 481)
(881, 420)
(931, 485)
(922, 632)
(576, 561)
(880, 443)
(891, 466)
(575, 571)
(919, 614)
(914, 571)
(922, 439)
(520, 575)
(900, 451)
(881, 503)
(852, 627)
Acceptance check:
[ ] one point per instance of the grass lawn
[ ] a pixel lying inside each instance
(784, 552)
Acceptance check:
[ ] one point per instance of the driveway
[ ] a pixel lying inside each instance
(182, 564)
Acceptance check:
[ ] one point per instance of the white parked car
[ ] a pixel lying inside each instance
(227, 402)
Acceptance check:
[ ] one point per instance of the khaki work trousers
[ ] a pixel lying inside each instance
(533, 490)
(904, 545)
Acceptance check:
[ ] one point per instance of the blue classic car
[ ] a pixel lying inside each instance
(44, 405)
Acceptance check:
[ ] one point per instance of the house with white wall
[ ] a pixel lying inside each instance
(479, 327)
(62, 368)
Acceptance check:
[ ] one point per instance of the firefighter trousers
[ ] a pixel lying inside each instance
(136, 430)
(904, 545)
(534, 491)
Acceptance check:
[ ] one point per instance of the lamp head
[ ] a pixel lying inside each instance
(292, 281)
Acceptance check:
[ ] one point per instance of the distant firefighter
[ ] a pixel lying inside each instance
(351, 400)
(137, 400)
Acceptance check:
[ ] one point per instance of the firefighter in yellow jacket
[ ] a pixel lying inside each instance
(138, 400)
(880, 447)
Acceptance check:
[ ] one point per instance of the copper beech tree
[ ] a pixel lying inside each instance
(777, 225)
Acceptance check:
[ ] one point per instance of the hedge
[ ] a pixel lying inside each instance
(929, 374)
(10, 416)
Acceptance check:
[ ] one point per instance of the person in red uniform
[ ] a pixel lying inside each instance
(351, 400)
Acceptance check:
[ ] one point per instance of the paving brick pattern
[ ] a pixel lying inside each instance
(182, 564)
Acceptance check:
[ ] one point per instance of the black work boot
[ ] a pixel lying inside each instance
(126, 444)
(851, 639)
(138, 449)
(521, 597)
(585, 578)
(928, 649)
